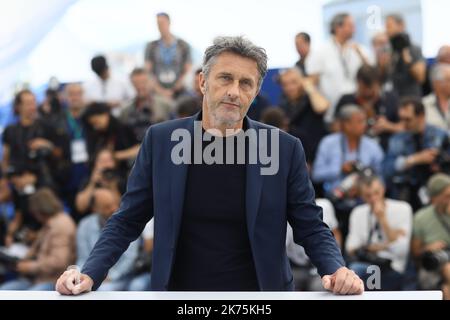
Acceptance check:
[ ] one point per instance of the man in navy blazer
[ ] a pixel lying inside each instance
(220, 225)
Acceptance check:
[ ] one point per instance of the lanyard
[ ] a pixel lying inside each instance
(343, 149)
(373, 229)
(443, 222)
(75, 128)
(343, 61)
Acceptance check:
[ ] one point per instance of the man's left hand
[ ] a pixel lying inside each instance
(343, 281)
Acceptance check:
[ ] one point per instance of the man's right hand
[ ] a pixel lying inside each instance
(348, 167)
(436, 246)
(66, 283)
(426, 156)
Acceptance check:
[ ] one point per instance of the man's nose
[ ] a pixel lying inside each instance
(233, 90)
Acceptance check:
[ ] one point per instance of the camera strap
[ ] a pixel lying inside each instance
(373, 229)
(344, 149)
(442, 221)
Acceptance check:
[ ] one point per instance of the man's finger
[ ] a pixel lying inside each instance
(348, 282)
(84, 286)
(70, 280)
(61, 287)
(340, 280)
(326, 282)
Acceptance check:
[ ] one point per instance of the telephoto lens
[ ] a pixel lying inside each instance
(434, 260)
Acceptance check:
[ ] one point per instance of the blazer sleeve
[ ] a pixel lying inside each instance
(126, 225)
(305, 218)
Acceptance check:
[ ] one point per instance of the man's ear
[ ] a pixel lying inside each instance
(202, 82)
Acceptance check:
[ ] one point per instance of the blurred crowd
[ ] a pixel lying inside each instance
(374, 123)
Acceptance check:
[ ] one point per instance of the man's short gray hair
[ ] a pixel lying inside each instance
(348, 111)
(240, 46)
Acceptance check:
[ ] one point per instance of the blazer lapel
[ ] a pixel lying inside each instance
(254, 181)
(178, 176)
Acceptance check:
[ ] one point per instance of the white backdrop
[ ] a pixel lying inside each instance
(58, 38)
(44, 38)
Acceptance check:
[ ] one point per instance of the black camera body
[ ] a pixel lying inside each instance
(363, 255)
(359, 171)
(433, 260)
(39, 154)
(443, 157)
(400, 41)
(110, 174)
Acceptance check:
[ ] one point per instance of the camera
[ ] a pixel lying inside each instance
(400, 41)
(109, 174)
(363, 255)
(39, 154)
(433, 260)
(443, 157)
(359, 171)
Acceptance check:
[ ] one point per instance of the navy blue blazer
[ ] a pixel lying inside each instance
(156, 189)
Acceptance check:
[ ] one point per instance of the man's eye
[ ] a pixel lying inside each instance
(246, 84)
(225, 77)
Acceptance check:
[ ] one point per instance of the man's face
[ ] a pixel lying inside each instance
(393, 27)
(444, 85)
(291, 84)
(442, 201)
(230, 88)
(372, 193)
(355, 126)
(74, 96)
(348, 28)
(141, 83)
(99, 122)
(163, 25)
(27, 107)
(444, 55)
(368, 92)
(409, 119)
(302, 46)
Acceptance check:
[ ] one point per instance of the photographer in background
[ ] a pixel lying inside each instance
(379, 234)
(105, 174)
(34, 155)
(431, 237)
(381, 108)
(52, 251)
(414, 155)
(32, 144)
(437, 103)
(24, 226)
(343, 155)
(146, 108)
(407, 69)
(104, 131)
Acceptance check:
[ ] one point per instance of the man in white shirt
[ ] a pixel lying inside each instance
(379, 234)
(105, 88)
(335, 64)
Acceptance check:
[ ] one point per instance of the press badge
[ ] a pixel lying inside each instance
(167, 76)
(79, 151)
